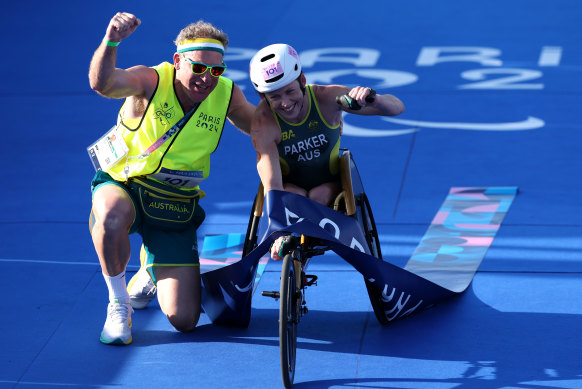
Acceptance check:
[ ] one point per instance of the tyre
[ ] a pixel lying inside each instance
(289, 305)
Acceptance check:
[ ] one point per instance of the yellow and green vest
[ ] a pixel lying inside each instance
(187, 153)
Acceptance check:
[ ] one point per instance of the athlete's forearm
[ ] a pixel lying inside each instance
(388, 105)
(269, 172)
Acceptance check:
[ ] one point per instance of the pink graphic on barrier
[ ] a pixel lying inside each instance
(468, 193)
(476, 241)
(440, 217)
(477, 226)
(460, 234)
(482, 208)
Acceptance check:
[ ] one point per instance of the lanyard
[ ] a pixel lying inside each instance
(164, 138)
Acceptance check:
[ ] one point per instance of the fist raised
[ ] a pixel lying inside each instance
(122, 25)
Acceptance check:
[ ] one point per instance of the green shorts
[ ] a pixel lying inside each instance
(163, 246)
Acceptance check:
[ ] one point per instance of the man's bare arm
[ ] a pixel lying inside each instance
(104, 77)
(241, 111)
(264, 135)
(383, 105)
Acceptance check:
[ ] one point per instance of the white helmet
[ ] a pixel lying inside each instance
(274, 67)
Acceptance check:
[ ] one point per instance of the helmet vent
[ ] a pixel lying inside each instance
(275, 78)
(267, 57)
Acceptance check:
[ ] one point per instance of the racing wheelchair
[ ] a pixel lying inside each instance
(353, 202)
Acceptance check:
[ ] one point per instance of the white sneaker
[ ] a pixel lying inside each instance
(117, 328)
(141, 288)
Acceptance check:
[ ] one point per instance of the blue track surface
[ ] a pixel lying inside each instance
(492, 92)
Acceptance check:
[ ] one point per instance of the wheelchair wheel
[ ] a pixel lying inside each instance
(288, 320)
(365, 217)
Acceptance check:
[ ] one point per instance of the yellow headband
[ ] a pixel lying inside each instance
(201, 44)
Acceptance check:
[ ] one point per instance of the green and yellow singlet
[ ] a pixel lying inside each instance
(309, 151)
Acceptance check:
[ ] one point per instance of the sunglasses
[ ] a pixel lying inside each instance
(200, 68)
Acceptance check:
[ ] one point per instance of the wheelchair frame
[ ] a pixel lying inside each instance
(292, 305)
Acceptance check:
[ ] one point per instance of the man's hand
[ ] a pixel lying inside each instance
(364, 101)
(360, 93)
(121, 26)
(275, 247)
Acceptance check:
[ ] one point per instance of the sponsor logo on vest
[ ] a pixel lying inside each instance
(164, 114)
(313, 125)
(286, 135)
(168, 207)
(308, 148)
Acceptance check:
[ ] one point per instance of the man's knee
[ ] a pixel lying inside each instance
(184, 321)
(294, 189)
(179, 295)
(324, 194)
(112, 211)
(110, 224)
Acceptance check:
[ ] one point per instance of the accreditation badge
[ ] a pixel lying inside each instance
(108, 150)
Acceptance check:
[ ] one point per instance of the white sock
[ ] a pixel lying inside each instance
(117, 288)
